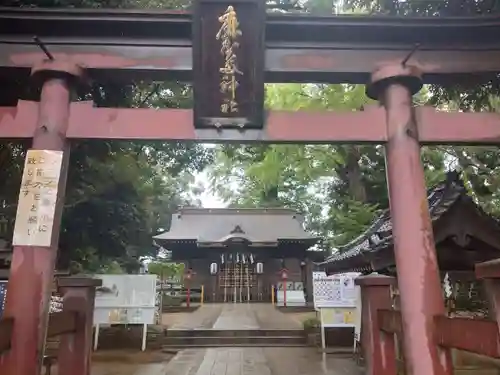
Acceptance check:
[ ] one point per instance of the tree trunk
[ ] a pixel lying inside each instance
(352, 173)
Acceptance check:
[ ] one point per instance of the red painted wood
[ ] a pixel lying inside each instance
(75, 350)
(414, 247)
(471, 335)
(32, 268)
(378, 346)
(85, 121)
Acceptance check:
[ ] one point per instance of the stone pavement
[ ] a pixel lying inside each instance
(236, 360)
(232, 316)
(236, 316)
(253, 361)
(203, 318)
(269, 317)
(265, 361)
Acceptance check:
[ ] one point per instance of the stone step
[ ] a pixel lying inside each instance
(234, 333)
(216, 341)
(472, 370)
(170, 348)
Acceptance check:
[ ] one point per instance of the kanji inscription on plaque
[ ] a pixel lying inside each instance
(37, 198)
(228, 47)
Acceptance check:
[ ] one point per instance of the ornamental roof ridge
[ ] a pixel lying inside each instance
(237, 210)
(440, 198)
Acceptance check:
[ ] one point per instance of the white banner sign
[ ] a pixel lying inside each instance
(125, 299)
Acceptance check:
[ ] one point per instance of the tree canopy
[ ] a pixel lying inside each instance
(119, 194)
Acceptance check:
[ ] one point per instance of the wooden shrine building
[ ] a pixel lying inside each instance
(464, 235)
(237, 254)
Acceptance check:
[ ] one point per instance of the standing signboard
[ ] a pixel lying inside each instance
(125, 299)
(338, 301)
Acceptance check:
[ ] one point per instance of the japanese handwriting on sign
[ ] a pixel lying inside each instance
(229, 34)
(37, 198)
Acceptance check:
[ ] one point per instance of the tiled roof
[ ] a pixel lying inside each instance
(379, 234)
(220, 225)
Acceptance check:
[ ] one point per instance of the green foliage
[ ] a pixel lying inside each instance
(119, 194)
(166, 270)
(339, 188)
(311, 324)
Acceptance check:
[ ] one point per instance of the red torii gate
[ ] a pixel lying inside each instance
(54, 121)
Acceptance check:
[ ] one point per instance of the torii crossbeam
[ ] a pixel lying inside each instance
(121, 45)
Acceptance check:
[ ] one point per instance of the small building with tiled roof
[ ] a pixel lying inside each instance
(464, 235)
(239, 252)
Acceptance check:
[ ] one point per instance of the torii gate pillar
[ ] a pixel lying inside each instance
(415, 254)
(33, 261)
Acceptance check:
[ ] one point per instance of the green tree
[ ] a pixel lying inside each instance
(339, 188)
(166, 270)
(118, 193)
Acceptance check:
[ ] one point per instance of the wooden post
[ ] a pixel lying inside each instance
(284, 278)
(489, 272)
(75, 349)
(188, 276)
(284, 292)
(378, 347)
(414, 249)
(36, 233)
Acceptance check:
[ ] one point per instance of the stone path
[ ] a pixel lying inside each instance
(240, 361)
(237, 316)
(263, 361)
(308, 361)
(254, 361)
(268, 317)
(128, 369)
(234, 361)
(203, 318)
(232, 316)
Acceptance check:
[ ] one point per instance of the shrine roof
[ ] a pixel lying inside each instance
(252, 225)
(357, 255)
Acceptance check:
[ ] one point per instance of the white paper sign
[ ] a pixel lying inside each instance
(37, 198)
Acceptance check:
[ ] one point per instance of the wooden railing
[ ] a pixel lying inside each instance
(61, 323)
(472, 335)
(389, 321)
(73, 325)
(479, 336)
(382, 327)
(6, 325)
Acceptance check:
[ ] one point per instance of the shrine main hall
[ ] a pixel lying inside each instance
(238, 254)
